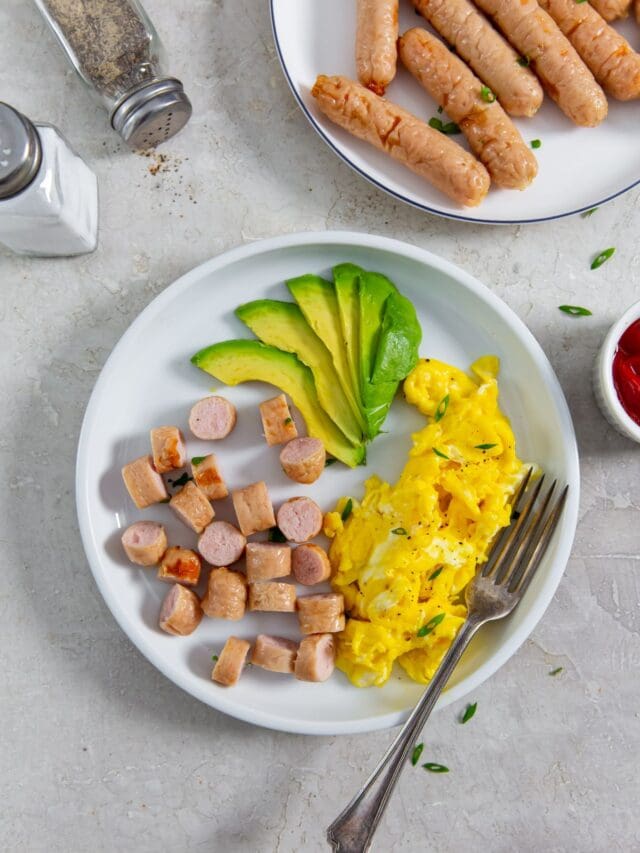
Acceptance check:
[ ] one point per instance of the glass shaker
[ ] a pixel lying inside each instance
(117, 52)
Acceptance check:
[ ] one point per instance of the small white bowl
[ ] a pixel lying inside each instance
(606, 394)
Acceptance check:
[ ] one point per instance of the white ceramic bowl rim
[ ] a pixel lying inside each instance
(609, 347)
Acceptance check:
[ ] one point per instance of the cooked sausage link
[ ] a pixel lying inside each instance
(212, 419)
(490, 56)
(167, 446)
(208, 478)
(563, 74)
(300, 519)
(303, 459)
(492, 136)
(316, 657)
(609, 56)
(180, 613)
(310, 564)
(230, 663)
(322, 613)
(226, 596)
(272, 597)
(145, 542)
(144, 484)
(376, 36)
(276, 654)
(180, 565)
(388, 127)
(267, 560)
(190, 504)
(612, 10)
(253, 508)
(221, 544)
(277, 424)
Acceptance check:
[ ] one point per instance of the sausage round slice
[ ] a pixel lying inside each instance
(310, 564)
(272, 597)
(145, 542)
(376, 35)
(322, 613)
(253, 507)
(221, 544)
(144, 484)
(167, 446)
(226, 596)
(267, 560)
(181, 565)
(192, 506)
(212, 418)
(230, 664)
(299, 519)
(276, 654)
(303, 459)
(316, 658)
(180, 613)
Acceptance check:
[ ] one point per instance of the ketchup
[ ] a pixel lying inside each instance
(626, 371)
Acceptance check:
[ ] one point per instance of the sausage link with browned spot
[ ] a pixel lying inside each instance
(376, 35)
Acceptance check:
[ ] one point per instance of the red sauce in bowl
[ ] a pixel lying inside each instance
(626, 371)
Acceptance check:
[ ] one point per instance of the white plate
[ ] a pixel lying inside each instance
(148, 381)
(579, 168)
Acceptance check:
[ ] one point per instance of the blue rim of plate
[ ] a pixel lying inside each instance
(313, 122)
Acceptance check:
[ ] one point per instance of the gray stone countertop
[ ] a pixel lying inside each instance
(98, 751)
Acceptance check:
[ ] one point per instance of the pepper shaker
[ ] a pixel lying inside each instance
(48, 195)
(118, 54)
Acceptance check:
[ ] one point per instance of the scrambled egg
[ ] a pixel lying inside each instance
(404, 555)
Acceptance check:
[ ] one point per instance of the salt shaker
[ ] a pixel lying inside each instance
(48, 195)
(118, 54)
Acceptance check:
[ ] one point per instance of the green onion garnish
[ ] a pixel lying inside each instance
(443, 405)
(399, 531)
(330, 461)
(602, 258)
(214, 658)
(575, 310)
(288, 421)
(417, 752)
(431, 624)
(469, 712)
(440, 110)
(484, 446)
(435, 768)
(435, 574)
(181, 481)
(346, 512)
(487, 95)
(276, 535)
(587, 213)
(524, 61)
(535, 143)
(439, 453)
(557, 670)
(449, 129)
(197, 460)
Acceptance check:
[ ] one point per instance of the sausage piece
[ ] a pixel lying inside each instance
(491, 134)
(144, 484)
(271, 596)
(230, 664)
(563, 74)
(145, 542)
(226, 596)
(316, 658)
(180, 565)
(376, 36)
(253, 508)
(609, 56)
(388, 127)
(190, 504)
(208, 478)
(221, 544)
(277, 424)
(167, 446)
(491, 57)
(276, 654)
(303, 459)
(299, 519)
(180, 613)
(310, 564)
(212, 418)
(322, 613)
(611, 10)
(267, 560)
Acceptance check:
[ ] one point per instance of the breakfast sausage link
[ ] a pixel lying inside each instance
(493, 60)
(609, 56)
(388, 127)
(563, 74)
(611, 10)
(492, 136)
(376, 35)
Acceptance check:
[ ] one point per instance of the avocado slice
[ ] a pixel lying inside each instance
(373, 293)
(233, 362)
(282, 325)
(400, 337)
(346, 282)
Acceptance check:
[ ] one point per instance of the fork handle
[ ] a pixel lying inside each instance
(352, 831)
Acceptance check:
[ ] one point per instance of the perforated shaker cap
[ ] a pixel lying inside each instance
(152, 114)
(20, 151)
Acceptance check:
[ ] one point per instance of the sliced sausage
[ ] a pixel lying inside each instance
(316, 658)
(299, 519)
(144, 484)
(492, 136)
(277, 424)
(303, 459)
(310, 564)
(226, 596)
(180, 613)
(267, 560)
(322, 613)
(611, 10)
(145, 542)
(388, 127)
(272, 597)
(563, 74)
(230, 664)
(212, 418)
(180, 565)
(253, 507)
(221, 544)
(167, 446)
(609, 56)
(276, 654)
(376, 35)
(491, 57)
(208, 478)
(190, 504)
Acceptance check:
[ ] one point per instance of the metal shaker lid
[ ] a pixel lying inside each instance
(152, 114)
(20, 151)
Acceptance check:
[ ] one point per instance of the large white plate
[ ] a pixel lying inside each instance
(148, 380)
(579, 168)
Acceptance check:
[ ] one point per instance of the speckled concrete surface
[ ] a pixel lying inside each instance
(98, 752)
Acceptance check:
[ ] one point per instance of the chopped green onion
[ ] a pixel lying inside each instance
(443, 405)
(487, 95)
(602, 258)
(288, 421)
(165, 500)
(484, 446)
(276, 535)
(524, 61)
(587, 213)
(535, 143)
(346, 512)
(469, 712)
(435, 574)
(435, 768)
(330, 461)
(417, 752)
(399, 531)
(181, 481)
(575, 310)
(197, 460)
(557, 670)
(581, 1)
(431, 624)
(214, 658)
(449, 129)
(439, 453)
(440, 110)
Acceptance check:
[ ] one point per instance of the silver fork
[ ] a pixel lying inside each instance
(495, 592)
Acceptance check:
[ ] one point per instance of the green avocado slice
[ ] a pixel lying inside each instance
(400, 338)
(346, 281)
(233, 362)
(282, 325)
(373, 293)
